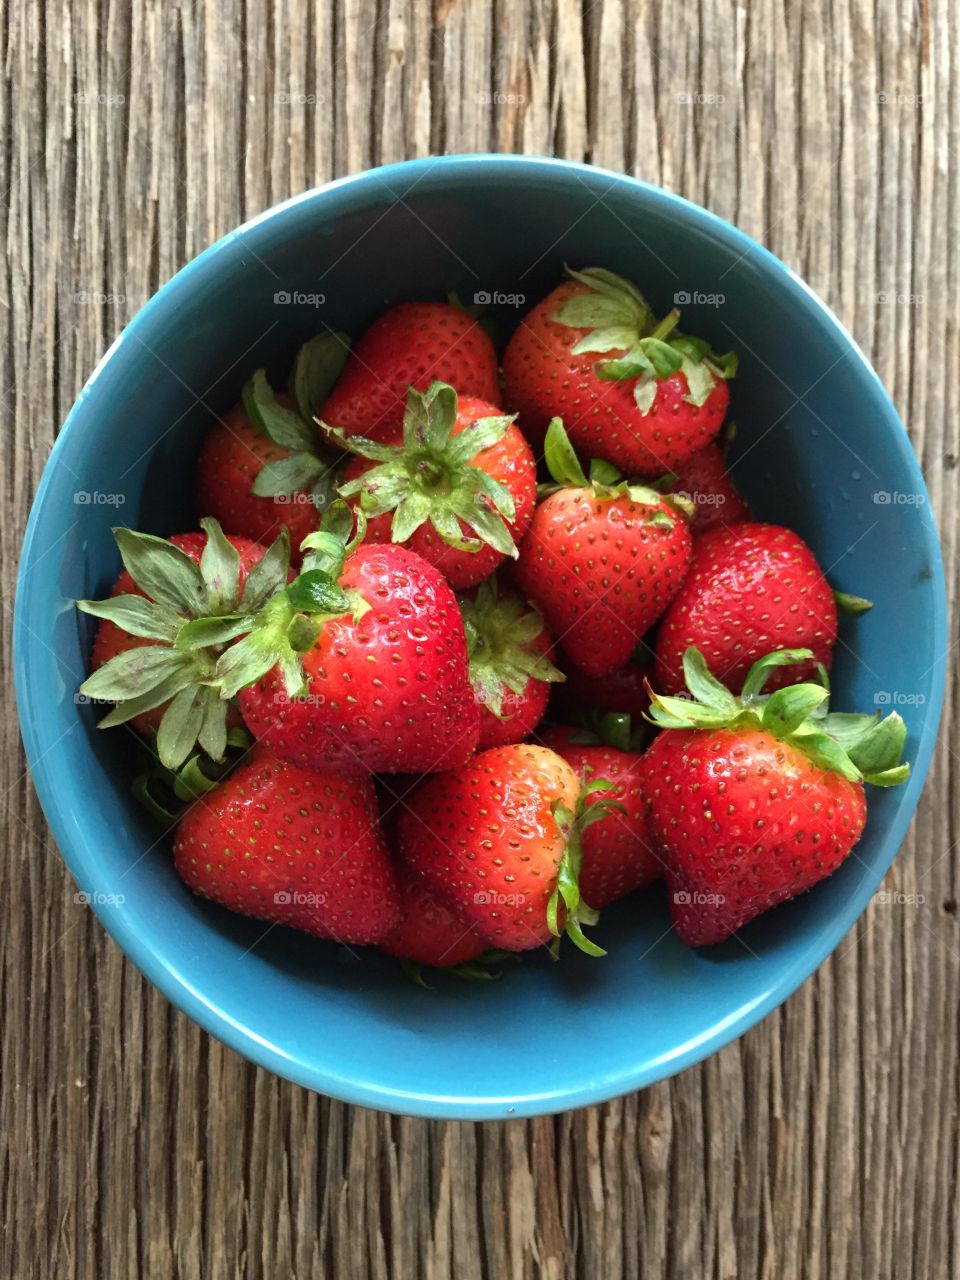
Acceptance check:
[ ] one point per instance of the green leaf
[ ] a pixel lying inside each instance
(634, 364)
(295, 474)
(479, 435)
(283, 426)
(411, 513)
(611, 285)
(440, 405)
(847, 603)
(787, 709)
(133, 672)
(136, 615)
(212, 735)
(318, 365)
(615, 337)
(219, 568)
(704, 685)
(593, 311)
(644, 394)
(759, 673)
(562, 462)
(371, 449)
(828, 754)
(880, 748)
(162, 571)
(268, 576)
(181, 722)
(202, 632)
(154, 697)
(316, 592)
(603, 473)
(700, 381)
(249, 659)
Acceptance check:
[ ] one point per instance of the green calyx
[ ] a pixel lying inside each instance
(614, 729)
(861, 748)
(619, 318)
(572, 823)
(604, 480)
(429, 477)
(290, 622)
(307, 469)
(846, 603)
(187, 613)
(168, 793)
(486, 967)
(500, 632)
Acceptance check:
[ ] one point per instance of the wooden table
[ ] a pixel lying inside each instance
(824, 1144)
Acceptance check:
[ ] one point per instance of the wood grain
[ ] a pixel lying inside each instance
(824, 1144)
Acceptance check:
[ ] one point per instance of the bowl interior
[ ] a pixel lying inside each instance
(819, 448)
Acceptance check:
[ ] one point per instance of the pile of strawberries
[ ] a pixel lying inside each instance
(408, 699)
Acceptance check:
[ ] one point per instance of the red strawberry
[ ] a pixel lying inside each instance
(429, 931)
(165, 586)
(750, 588)
(411, 345)
(298, 848)
(752, 802)
(632, 391)
(618, 853)
(704, 481)
(511, 663)
(601, 561)
(361, 664)
(459, 490)
(499, 840)
(259, 466)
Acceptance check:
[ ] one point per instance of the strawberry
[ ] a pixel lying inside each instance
(511, 663)
(294, 847)
(618, 853)
(164, 589)
(411, 345)
(428, 931)
(459, 490)
(755, 799)
(360, 664)
(601, 561)
(631, 390)
(259, 466)
(499, 841)
(750, 588)
(703, 479)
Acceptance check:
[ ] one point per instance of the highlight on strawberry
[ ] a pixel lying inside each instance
(757, 797)
(459, 490)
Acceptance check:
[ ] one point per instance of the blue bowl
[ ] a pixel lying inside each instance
(820, 448)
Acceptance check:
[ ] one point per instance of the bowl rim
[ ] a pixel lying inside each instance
(77, 849)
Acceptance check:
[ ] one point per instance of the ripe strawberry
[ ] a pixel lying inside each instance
(164, 587)
(630, 390)
(428, 931)
(703, 479)
(259, 466)
(601, 561)
(411, 345)
(753, 800)
(295, 847)
(750, 588)
(511, 663)
(361, 664)
(618, 852)
(458, 491)
(499, 840)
